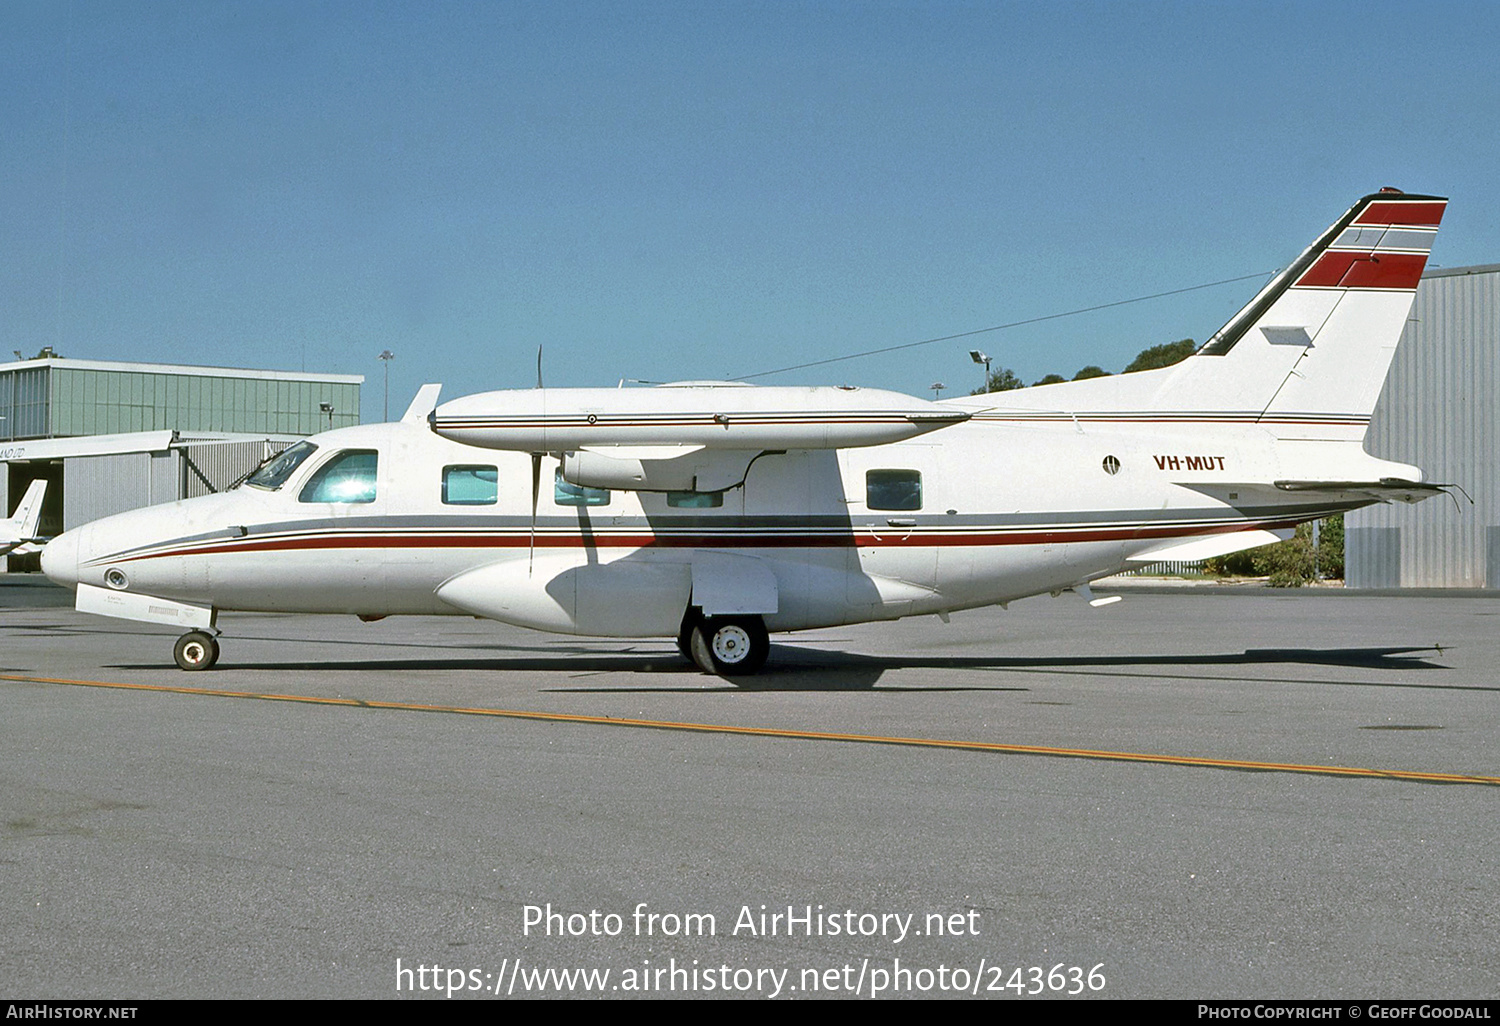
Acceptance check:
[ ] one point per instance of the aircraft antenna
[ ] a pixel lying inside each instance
(536, 482)
(1002, 327)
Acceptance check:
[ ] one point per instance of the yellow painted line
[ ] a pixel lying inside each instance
(1410, 776)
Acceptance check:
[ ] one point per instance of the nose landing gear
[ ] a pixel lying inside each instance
(196, 650)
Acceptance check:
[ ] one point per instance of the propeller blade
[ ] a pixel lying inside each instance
(536, 488)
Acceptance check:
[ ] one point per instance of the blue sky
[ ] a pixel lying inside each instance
(702, 190)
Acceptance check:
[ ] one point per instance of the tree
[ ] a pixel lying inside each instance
(1052, 379)
(1091, 371)
(1288, 564)
(1163, 355)
(1002, 379)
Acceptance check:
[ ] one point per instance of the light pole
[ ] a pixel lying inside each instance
(937, 387)
(1317, 576)
(328, 409)
(386, 356)
(983, 358)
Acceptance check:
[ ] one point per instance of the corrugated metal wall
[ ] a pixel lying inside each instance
(222, 464)
(98, 486)
(5, 507)
(1440, 410)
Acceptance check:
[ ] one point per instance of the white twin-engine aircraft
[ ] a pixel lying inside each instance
(716, 513)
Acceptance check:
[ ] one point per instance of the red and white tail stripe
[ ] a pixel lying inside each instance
(1385, 246)
(1307, 356)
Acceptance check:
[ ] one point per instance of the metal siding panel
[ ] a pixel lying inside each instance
(98, 486)
(5, 493)
(166, 477)
(224, 463)
(1439, 411)
(1372, 557)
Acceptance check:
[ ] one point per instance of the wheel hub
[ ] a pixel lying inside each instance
(731, 644)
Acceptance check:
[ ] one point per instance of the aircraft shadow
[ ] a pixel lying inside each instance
(1362, 658)
(797, 668)
(803, 669)
(1160, 666)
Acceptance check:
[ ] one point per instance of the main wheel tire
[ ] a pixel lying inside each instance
(196, 650)
(730, 646)
(685, 638)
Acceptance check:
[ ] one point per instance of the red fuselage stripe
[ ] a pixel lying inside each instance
(864, 538)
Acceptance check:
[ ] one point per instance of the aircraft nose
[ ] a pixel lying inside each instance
(60, 558)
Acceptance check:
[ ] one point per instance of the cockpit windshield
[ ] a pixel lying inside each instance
(273, 475)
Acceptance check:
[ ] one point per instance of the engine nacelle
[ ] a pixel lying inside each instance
(657, 468)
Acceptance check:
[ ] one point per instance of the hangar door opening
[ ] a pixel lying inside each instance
(19, 475)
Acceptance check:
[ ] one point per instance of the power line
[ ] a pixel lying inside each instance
(1000, 327)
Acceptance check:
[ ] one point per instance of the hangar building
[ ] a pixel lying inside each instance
(1440, 411)
(109, 437)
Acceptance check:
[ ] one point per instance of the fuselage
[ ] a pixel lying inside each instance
(393, 519)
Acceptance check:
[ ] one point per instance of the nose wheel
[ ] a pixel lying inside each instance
(196, 650)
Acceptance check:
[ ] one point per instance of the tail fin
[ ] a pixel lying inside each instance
(21, 527)
(1316, 343)
(1306, 357)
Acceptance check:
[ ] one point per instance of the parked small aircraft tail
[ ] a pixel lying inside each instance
(1305, 358)
(20, 528)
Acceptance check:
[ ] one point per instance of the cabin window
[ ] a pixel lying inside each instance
(565, 494)
(470, 486)
(893, 489)
(695, 500)
(272, 474)
(348, 477)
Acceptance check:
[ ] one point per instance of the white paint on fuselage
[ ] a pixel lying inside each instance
(1007, 511)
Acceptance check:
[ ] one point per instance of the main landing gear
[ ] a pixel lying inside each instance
(725, 646)
(196, 650)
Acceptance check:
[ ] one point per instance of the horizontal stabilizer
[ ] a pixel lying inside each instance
(1387, 489)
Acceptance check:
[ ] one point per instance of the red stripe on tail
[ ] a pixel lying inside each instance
(1364, 271)
(1396, 212)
